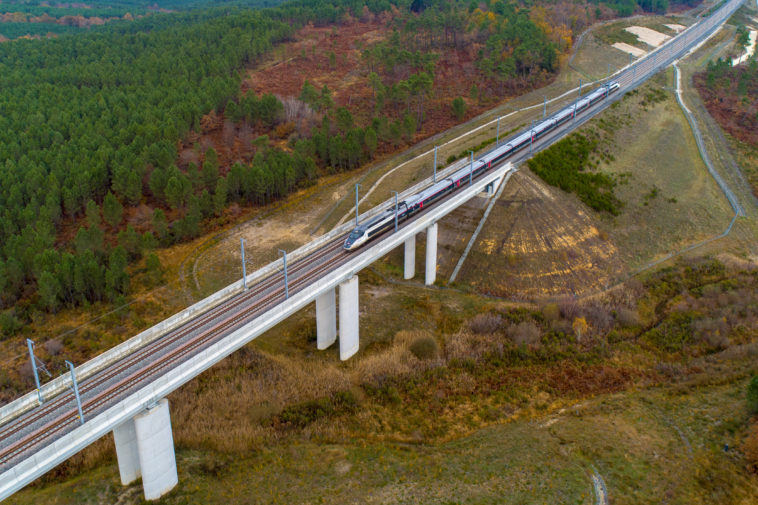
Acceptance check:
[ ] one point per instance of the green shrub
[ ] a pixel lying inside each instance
(459, 108)
(303, 414)
(752, 395)
(563, 165)
(673, 334)
(386, 393)
(425, 348)
(9, 325)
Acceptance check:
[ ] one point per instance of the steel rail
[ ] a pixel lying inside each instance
(159, 344)
(171, 357)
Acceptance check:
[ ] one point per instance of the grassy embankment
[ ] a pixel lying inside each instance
(594, 63)
(539, 241)
(731, 158)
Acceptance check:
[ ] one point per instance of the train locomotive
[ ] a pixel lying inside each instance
(386, 220)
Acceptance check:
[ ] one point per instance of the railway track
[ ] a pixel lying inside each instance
(263, 296)
(259, 298)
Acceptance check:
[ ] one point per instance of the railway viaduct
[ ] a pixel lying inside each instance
(124, 389)
(144, 444)
(138, 415)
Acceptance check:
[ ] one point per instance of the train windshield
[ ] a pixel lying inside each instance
(354, 235)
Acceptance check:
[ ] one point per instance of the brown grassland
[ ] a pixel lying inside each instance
(650, 373)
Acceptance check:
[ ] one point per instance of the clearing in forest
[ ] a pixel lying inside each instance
(648, 36)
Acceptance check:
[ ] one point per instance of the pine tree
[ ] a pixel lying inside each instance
(220, 195)
(154, 269)
(231, 111)
(160, 225)
(116, 278)
(752, 395)
(49, 291)
(89, 278)
(174, 192)
(157, 183)
(193, 217)
(210, 169)
(344, 120)
(459, 108)
(206, 203)
(89, 239)
(370, 141)
(127, 183)
(148, 241)
(325, 102)
(133, 192)
(130, 241)
(113, 211)
(3, 279)
(193, 176)
(409, 126)
(309, 94)
(93, 214)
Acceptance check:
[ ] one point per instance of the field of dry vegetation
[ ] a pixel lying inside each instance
(686, 331)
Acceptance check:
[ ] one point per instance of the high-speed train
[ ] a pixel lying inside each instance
(386, 220)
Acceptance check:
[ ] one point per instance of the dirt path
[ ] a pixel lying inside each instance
(598, 484)
(733, 201)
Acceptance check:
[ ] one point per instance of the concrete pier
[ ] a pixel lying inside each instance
(489, 190)
(431, 255)
(127, 453)
(349, 327)
(326, 320)
(155, 444)
(145, 447)
(410, 258)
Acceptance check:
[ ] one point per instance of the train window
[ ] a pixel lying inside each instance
(375, 231)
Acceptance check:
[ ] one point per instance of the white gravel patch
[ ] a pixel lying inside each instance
(677, 28)
(626, 48)
(648, 36)
(750, 50)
